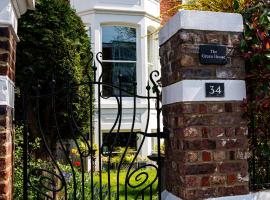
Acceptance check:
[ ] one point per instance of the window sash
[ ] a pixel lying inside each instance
(119, 61)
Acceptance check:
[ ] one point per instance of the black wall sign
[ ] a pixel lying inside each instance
(213, 54)
(214, 89)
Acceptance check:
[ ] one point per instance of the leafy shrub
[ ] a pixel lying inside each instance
(34, 163)
(256, 49)
(54, 43)
(70, 177)
(217, 5)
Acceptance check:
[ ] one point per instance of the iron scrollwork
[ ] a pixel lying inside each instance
(50, 114)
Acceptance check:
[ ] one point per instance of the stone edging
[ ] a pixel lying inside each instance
(201, 20)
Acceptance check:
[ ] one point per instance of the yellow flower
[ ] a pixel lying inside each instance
(74, 151)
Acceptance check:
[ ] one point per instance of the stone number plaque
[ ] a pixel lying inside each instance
(214, 89)
(212, 54)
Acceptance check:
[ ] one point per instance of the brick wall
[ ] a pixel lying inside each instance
(7, 68)
(206, 153)
(167, 9)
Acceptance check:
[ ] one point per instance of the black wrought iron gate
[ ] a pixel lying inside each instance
(66, 153)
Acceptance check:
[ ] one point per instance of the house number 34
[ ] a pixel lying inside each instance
(214, 89)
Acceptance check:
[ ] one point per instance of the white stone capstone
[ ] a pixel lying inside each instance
(201, 20)
(194, 91)
(264, 195)
(6, 92)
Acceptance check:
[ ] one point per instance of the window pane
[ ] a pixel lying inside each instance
(111, 74)
(119, 43)
(122, 140)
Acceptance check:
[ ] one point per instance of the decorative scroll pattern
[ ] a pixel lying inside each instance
(50, 115)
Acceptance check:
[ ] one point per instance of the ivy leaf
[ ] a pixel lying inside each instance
(235, 5)
(268, 66)
(267, 56)
(243, 44)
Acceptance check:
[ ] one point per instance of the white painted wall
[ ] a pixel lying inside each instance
(142, 15)
(142, 7)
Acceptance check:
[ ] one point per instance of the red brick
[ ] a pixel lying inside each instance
(205, 193)
(5, 57)
(200, 169)
(214, 37)
(190, 194)
(217, 180)
(204, 144)
(241, 131)
(235, 190)
(199, 120)
(178, 122)
(243, 178)
(5, 163)
(198, 37)
(188, 61)
(5, 32)
(217, 132)
(229, 132)
(192, 156)
(5, 174)
(5, 197)
(232, 143)
(189, 108)
(5, 137)
(4, 188)
(231, 179)
(199, 194)
(206, 156)
(174, 166)
(231, 155)
(235, 39)
(205, 182)
(228, 107)
(237, 107)
(205, 132)
(242, 154)
(185, 37)
(202, 108)
(219, 156)
(191, 132)
(228, 167)
(5, 149)
(238, 62)
(192, 181)
(215, 108)
(5, 45)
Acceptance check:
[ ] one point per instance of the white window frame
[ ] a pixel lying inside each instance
(137, 47)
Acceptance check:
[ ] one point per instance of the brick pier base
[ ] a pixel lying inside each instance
(206, 152)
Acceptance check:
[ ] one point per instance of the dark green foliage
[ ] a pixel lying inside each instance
(256, 49)
(54, 43)
(53, 40)
(18, 165)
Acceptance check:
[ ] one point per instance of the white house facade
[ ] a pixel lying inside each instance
(126, 33)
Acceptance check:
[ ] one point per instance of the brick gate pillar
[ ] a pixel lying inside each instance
(203, 89)
(10, 11)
